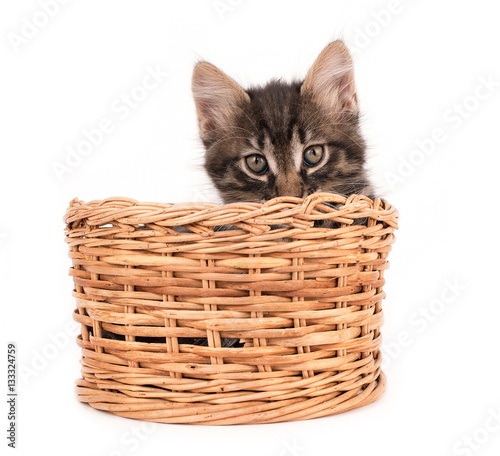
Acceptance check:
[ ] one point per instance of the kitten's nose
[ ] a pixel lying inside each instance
(287, 185)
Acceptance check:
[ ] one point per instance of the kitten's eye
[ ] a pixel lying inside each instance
(256, 163)
(313, 155)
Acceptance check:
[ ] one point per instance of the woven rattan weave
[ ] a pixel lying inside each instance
(302, 296)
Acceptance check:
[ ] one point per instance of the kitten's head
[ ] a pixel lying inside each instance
(283, 139)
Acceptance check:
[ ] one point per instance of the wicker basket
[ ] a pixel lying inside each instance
(302, 298)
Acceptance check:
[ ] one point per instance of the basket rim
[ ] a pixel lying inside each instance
(298, 212)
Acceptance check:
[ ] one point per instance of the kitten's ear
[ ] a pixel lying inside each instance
(217, 98)
(330, 81)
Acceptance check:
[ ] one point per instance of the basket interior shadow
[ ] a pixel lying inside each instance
(242, 313)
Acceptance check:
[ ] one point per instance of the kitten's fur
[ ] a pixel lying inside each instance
(278, 122)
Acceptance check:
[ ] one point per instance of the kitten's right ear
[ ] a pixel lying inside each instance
(217, 98)
(330, 81)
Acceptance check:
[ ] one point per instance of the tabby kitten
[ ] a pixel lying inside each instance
(283, 139)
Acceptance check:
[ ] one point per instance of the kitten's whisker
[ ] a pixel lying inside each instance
(226, 138)
(345, 134)
(215, 130)
(251, 121)
(322, 113)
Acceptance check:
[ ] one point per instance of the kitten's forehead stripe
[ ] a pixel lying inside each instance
(252, 143)
(262, 132)
(302, 135)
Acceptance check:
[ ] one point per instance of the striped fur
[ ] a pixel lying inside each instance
(279, 121)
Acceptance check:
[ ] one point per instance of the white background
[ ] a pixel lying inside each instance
(428, 77)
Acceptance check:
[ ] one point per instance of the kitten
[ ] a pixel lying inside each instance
(283, 139)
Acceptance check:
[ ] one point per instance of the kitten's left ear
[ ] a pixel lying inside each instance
(330, 81)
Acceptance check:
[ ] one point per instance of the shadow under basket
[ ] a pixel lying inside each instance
(237, 314)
